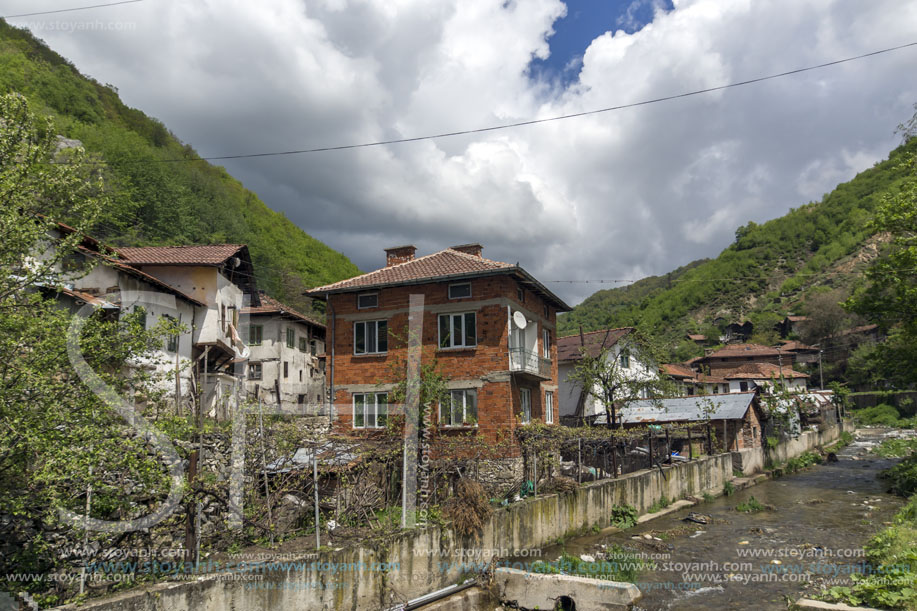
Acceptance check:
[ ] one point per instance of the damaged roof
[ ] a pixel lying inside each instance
(685, 409)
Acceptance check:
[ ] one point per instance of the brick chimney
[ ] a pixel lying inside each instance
(399, 254)
(469, 249)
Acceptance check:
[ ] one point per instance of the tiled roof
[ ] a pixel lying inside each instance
(855, 330)
(443, 265)
(677, 371)
(127, 269)
(685, 409)
(794, 346)
(793, 318)
(743, 350)
(269, 305)
(205, 254)
(568, 348)
(761, 371)
(696, 337)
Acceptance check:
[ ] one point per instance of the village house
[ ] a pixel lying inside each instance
(737, 332)
(689, 381)
(802, 353)
(221, 277)
(766, 376)
(116, 288)
(731, 356)
(489, 326)
(577, 406)
(286, 369)
(737, 419)
(790, 325)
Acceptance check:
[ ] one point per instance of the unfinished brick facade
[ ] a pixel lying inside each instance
(483, 364)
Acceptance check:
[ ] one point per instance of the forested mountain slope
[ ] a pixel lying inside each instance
(770, 270)
(154, 201)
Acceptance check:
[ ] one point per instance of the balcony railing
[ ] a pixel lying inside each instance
(528, 361)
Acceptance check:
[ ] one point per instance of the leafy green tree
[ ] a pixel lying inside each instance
(607, 376)
(61, 446)
(890, 297)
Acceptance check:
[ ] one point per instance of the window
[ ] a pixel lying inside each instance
(368, 300)
(370, 337)
(520, 294)
(255, 335)
(547, 311)
(525, 401)
(313, 347)
(172, 338)
(222, 318)
(286, 369)
(625, 361)
(461, 409)
(291, 338)
(549, 407)
(460, 291)
(743, 386)
(300, 375)
(370, 410)
(546, 343)
(716, 389)
(254, 371)
(457, 330)
(303, 344)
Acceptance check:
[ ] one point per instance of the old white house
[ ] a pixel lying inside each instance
(286, 369)
(622, 353)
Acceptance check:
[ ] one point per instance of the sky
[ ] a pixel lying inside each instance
(611, 196)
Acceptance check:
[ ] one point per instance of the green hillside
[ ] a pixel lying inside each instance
(155, 202)
(770, 270)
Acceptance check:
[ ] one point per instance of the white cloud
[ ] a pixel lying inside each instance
(614, 195)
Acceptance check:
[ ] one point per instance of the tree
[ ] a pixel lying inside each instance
(58, 439)
(825, 316)
(606, 375)
(890, 296)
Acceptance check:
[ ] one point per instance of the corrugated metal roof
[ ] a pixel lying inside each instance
(569, 348)
(685, 409)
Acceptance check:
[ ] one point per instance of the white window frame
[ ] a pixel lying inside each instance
(525, 400)
(371, 408)
(374, 325)
(546, 343)
(367, 307)
(452, 286)
(549, 407)
(452, 334)
(462, 394)
(252, 332)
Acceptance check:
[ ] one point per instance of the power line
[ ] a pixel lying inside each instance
(69, 10)
(479, 130)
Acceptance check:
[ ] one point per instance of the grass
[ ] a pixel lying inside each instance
(752, 505)
(845, 440)
(896, 448)
(708, 497)
(883, 415)
(619, 565)
(659, 505)
(729, 489)
(892, 555)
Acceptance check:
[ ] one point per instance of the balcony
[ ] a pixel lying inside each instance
(524, 361)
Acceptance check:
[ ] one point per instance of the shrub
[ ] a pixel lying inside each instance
(729, 489)
(903, 476)
(623, 516)
(879, 415)
(468, 508)
(752, 505)
(659, 505)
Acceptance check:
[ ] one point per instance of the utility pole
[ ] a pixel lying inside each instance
(821, 375)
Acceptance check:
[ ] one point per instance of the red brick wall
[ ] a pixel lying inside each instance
(498, 401)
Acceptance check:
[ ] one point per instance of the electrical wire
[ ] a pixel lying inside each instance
(450, 134)
(69, 10)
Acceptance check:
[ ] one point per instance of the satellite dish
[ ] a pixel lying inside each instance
(519, 319)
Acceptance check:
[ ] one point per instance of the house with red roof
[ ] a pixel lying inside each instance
(578, 406)
(286, 367)
(490, 327)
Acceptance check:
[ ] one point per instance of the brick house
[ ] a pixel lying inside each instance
(491, 327)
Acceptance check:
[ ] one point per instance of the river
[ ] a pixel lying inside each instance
(812, 533)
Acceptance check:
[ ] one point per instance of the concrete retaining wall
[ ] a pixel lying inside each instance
(432, 558)
(753, 460)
